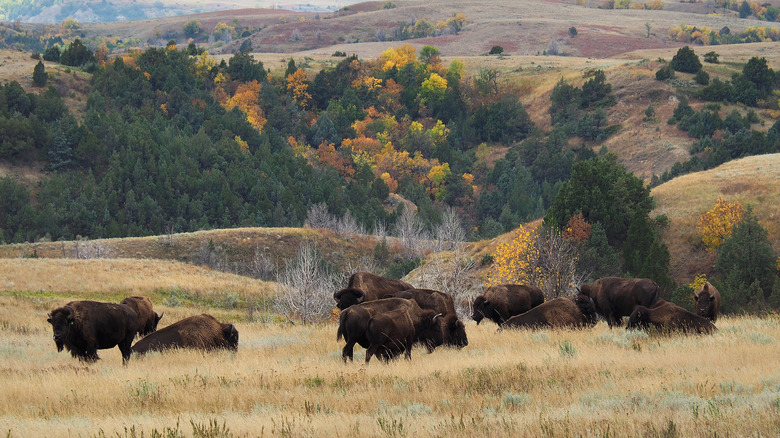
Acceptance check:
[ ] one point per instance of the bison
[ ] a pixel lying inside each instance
(391, 333)
(669, 316)
(147, 317)
(84, 327)
(616, 297)
(560, 312)
(365, 286)
(707, 301)
(202, 332)
(353, 321)
(501, 302)
(453, 330)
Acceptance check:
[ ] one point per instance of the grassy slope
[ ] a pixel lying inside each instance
(752, 181)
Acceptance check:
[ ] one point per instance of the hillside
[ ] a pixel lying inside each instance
(753, 181)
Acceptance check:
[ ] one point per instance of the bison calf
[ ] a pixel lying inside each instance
(707, 301)
(559, 312)
(668, 316)
(147, 317)
(501, 302)
(202, 332)
(84, 327)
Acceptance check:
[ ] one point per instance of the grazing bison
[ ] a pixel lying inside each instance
(707, 301)
(84, 327)
(147, 317)
(391, 333)
(669, 316)
(616, 297)
(353, 321)
(453, 330)
(202, 332)
(501, 302)
(365, 286)
(559, 312)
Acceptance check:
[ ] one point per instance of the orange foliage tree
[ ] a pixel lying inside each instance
(298, 84)
(716, 224)
(577, 229)
(246, 99)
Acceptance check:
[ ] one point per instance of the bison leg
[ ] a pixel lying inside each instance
(126, 351)
(372, 350)
(347, 351)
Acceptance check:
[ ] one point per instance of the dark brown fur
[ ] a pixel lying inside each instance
(559, 312)
(616, 297)
(84, 327)
(501, 302)
(669, 316)
(202, 332)
(147, 317)
(707, 301)
(391, 333)
(453, 330)
(353, 321)
(365, 286)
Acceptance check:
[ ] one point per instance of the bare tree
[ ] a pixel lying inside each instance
(380, 231)
(305, 289)
(348, 225)
(557, 263)
(317, 216)
(261, 266)
(410, 231)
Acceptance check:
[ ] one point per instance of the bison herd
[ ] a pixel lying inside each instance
(387, 317)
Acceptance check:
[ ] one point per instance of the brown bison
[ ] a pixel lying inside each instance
(669, 316)
(353, 321)
(616, 297)
(559, 312)
(147, 317)
(501, 302)
(453, 330)
(84, 327)
(365, 286)
(202, 332)
(391, 333)
(707, 301)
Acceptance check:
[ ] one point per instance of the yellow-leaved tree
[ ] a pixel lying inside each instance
(298, 84)
(398, 57)
(246, 99)
(516, 261)
(716, 224)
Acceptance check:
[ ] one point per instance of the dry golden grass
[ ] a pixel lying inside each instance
(752, 181)
(290, 381)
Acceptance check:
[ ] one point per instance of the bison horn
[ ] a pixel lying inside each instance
(361, 296)
(437, 315)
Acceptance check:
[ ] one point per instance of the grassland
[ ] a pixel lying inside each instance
(290, 381)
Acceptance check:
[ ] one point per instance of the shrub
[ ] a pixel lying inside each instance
(702, 78)
(686, 61)
(496, 50)
(711, 57)
(664, 73)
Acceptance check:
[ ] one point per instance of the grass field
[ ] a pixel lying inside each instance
(289, 380)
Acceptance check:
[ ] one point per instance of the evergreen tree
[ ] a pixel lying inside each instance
(745, 260)
(39, 75)
(686, 61)
(597, 257)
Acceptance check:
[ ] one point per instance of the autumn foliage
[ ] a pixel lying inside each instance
(516, 261)
(717, 223)
(246, 98)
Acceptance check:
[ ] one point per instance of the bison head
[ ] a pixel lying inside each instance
(704, 300)
(639, 318)
(231, 336)
(587, 307)
(348, 297)
(482, 308)
(455, 332)
(62, 321)
(157, 319)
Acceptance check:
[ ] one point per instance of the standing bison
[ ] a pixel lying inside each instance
(147, 317)
(668, 316)
(353, 321)
(365, 286)
(391, 333)
(707, 301)
(501, 302)
(558, 313)
(453, 330)
(202, 332)
(616, 297)
(84, 327)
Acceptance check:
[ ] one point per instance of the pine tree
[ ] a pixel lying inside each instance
(39, 74)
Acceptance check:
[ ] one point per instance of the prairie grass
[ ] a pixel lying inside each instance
(290, 381)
